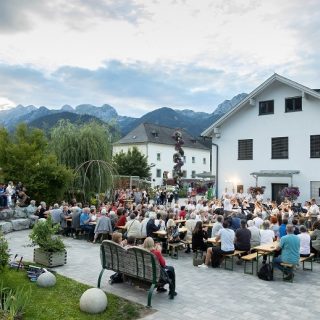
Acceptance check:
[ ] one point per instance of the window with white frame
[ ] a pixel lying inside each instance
(158, 156)
(193, 174)
(193, 159)
(159, 173)
(204, 161)
(184, 173)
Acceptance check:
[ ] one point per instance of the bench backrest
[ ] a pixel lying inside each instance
(134, 261)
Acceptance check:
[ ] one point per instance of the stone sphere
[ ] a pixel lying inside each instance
(46, 279)
(93, 301)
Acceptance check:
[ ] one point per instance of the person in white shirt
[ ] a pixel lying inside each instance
(10, 190)
(133, 227)
(304, 242)
(313, 210)
(144, 224)
(227, 206)
(258, 220)
(266, 234)
(215, 254)
(216, 226)
(259, 197)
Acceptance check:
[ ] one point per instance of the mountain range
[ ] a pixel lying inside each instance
(45, 118)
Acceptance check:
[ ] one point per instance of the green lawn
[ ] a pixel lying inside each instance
(61, 302)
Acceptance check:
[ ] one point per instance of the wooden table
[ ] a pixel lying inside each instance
(268, 249)
(180, 221)
(208, 225)
(213, 240)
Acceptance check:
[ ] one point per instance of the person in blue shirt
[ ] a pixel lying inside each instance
(282, 228)
(290, 251)
(85, 225)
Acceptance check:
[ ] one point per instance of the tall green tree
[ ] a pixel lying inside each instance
(132, 163)
(24, 156)
(86, 149)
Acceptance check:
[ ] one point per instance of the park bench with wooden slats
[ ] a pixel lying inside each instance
(134, 262)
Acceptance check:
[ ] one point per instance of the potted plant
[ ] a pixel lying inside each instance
(51, 251)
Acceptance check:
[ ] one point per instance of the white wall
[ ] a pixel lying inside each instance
(247, 124)
(166, 159)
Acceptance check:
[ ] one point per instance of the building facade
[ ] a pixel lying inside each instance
(270, 139)
(157, 144)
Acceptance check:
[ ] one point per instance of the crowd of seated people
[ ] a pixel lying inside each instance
(237, 221)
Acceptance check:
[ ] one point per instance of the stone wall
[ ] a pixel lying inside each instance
(14, 219)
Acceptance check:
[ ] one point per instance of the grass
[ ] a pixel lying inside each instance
(62, 300)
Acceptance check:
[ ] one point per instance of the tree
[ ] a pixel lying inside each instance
(86, 149)
(132, 163)
(24, 156)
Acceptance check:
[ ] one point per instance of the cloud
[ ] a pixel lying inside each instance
(24, 15)
(138, 86)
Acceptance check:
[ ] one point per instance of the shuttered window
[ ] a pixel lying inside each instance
(279, 148)
(315, 146)
(245, 149)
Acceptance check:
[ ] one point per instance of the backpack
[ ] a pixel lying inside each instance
(116, 278)
(266, 272)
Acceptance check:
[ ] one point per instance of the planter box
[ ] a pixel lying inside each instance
(49, 259)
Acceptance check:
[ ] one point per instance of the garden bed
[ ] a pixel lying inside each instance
(62, 300)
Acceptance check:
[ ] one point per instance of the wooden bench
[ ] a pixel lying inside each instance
(251, 258)
(173, 249)
(135, 263)
(287, 268)
(229, 257)
(307, 259)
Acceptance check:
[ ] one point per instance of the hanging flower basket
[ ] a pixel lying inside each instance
(291, 193)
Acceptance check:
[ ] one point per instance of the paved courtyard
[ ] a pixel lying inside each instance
(202, 293)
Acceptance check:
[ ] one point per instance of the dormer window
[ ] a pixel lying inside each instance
(155, 133)
(293, 104)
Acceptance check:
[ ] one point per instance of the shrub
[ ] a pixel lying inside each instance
(44, 234)
(4, 252)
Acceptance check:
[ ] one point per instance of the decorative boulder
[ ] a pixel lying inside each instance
(93, 301)
(46, 279)
(5, 227)
(20, 224)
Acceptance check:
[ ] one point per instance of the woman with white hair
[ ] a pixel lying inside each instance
(255, 234)
(167, 271)
(103, 225)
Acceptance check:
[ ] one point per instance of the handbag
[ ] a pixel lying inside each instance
(197, 258)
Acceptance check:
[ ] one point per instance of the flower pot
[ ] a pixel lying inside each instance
(49, 259)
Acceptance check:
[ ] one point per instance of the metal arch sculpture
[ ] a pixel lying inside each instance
(101, 166)
(178, 157)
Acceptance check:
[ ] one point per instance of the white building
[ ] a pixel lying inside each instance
(157, 144)
(272, 136)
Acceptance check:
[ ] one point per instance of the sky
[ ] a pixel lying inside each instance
(139, 55)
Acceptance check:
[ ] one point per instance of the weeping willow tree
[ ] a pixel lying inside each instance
(86, 149)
